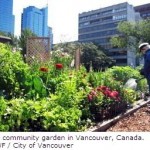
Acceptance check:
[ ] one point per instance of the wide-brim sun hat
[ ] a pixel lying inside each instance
(143, 45)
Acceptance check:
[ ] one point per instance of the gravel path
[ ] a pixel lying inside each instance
(139, 121)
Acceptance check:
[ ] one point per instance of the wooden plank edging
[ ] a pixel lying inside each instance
(103, 126)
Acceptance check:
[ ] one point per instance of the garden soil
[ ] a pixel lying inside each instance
(139, 121)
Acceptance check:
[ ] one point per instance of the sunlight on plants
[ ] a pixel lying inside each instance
(54, 96)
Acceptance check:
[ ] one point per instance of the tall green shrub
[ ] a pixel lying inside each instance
(13, 72)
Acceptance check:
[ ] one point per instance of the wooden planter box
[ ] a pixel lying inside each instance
(100, 113)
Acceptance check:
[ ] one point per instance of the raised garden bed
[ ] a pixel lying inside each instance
(108, 111)
(136, 118)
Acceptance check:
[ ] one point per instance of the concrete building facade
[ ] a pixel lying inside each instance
(144, 10)
(100, 25)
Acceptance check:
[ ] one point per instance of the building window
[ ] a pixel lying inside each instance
(119, 17)
(107, 12)
(120, 9)
(83, 18)
(94, 21)
(84, 24)
(107, 18)
(98, 27)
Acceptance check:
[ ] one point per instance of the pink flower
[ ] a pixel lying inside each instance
(90, 97)
(93, 93)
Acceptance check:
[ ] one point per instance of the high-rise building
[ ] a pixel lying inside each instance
(100, 25)
(6, 16)
(144, 10)
(36, 20)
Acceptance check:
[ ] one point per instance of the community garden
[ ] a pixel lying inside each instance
(55, 96)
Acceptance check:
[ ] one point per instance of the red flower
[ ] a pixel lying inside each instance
(115, 95)
(111, 95)
(99, 89)
(106, 93)
(44, 69)
(90, 97)
(102, 88)
(59, 66)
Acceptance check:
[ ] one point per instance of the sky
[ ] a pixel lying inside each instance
(63, 14)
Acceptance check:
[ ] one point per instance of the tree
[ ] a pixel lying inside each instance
(69, 47)
(91, 54)
(3, 33)
(23, 39)
(93, 57)
(132, 34)
(14, 40)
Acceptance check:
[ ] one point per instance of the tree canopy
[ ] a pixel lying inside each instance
(132, 34)
(23, 39)
(94, 57)
(91, 54)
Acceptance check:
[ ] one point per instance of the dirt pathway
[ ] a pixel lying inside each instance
(139, 121)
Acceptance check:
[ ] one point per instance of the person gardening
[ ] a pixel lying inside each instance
(145, 71)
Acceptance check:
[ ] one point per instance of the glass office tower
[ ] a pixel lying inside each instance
(6, 16)
(36, 20)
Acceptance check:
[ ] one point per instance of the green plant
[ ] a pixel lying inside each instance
(61, 57)
(44, 96)
(42, 115)
(129, 95)
(13, 72)
(122, 74)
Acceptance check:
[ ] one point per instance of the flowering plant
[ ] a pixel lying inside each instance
(105, 103)
(43, 69)
(59, 66)
(113, 94)
(60, 57)
(103, 94)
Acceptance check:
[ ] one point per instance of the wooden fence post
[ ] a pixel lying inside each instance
(77, 59)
